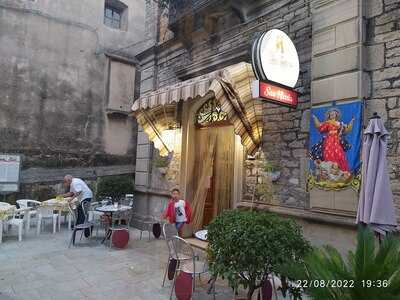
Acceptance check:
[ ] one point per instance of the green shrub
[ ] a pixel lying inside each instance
(372, 272)
(246, 246)
(115, 187)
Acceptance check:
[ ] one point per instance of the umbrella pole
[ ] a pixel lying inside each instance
(379, 236)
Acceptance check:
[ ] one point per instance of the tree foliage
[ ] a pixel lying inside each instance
(367, 271)
(246, 246)
(115, 187)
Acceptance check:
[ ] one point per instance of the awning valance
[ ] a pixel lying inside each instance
(231, 86)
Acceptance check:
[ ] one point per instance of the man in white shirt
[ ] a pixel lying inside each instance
(78, 188)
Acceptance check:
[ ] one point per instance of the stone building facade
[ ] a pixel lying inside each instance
(348, 50)
(69, 77)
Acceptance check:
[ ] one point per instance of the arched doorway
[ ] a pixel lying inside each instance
(213, 161)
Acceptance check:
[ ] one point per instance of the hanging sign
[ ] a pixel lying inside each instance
(275, 93)
(276, 65)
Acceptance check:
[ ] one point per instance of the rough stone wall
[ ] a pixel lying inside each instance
(383, 65)
(53, 86)
(286, 131)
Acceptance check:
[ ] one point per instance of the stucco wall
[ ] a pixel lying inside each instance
(54, 84)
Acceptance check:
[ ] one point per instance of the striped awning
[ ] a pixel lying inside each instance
(231, 86)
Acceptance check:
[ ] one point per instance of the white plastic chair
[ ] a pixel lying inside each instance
(67, 217)
(26, 203)
(15, 220)
(46, 213)
(4, 205)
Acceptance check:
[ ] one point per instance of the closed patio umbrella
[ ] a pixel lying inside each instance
(375, 206)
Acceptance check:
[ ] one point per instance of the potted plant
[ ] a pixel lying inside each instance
(115, 187)
(246, 247)
(371, 272)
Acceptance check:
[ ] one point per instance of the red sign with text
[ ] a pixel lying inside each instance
(278, 94)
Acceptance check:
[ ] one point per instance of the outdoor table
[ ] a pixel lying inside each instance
(110, 209)
(200, 242)
(196, 243)
(60, 206)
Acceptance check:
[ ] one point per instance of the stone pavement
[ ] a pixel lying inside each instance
(44, 268)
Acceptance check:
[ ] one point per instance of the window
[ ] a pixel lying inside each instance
(115, 14)
(121, 86)
(112, 17)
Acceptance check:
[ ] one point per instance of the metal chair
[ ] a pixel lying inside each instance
(85, 225)
(187, 261)
(95, 217)
(170, 231)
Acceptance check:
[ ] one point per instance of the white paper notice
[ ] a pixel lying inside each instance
(9, 172)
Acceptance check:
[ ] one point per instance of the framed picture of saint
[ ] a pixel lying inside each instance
(335, 143)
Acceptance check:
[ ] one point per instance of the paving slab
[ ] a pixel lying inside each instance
(42, 267)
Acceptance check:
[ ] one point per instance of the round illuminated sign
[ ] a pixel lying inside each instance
(275, 58)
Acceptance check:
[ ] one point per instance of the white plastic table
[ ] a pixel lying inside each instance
(60, 206)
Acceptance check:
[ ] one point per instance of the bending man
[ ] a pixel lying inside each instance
(78, 188)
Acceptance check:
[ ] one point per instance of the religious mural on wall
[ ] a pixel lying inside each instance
(335, 143)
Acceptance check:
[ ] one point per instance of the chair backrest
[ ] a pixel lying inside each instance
(46, 211)
(18, 213)
(182, 248)
(94, 205)
(25, 203)
(169, 231)
(128, 200)
(73, 212)
(126, 216)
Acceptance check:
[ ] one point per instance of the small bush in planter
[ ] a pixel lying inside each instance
(247, 246)
(115, 187)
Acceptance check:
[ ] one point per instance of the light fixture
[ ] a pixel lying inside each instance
(167, 141)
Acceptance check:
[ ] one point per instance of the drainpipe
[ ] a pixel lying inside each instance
(361, 47)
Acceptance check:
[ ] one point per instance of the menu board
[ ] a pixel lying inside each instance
(9, 172)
